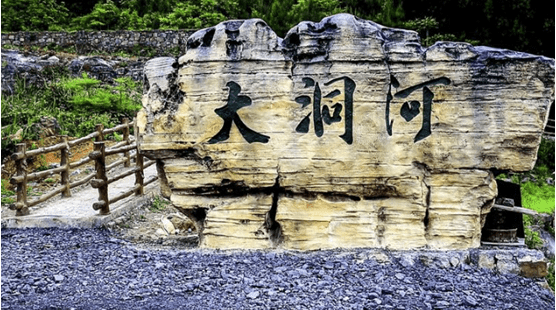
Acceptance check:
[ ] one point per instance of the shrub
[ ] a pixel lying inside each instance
(79, 104)
(159, 204)
(5, 190)
(532, 238)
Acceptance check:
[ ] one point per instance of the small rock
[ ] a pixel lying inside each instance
(442, 304)
(407, 261)
(302, 272)
(470, 301)
(182, 223)
(507, 266)
(161, 232)
(168, 226)
(443, 262)
(425, 260)
(486, 261)
(53, 59)
(454, 261)
(253, 295)
(380, 257)
(159, 265)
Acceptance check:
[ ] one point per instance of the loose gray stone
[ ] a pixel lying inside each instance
(253, 295)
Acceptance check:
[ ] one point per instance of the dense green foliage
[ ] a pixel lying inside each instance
(77, 103)
(29, 15)
(538, 197)
(523, 25)
(536, 193)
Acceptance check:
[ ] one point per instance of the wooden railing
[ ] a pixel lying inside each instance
(125, 146)
(102, 181)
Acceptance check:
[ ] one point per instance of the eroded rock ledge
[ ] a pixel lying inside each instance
(343, 134)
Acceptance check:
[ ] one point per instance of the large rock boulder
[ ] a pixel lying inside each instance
(15, 64)
(344, 134)
(32, 68)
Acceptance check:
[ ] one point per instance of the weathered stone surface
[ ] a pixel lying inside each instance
(230, 222)
(348, 133)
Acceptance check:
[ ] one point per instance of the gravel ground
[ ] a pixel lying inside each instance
(90, 269)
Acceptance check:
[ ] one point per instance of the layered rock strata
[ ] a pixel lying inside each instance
(344, 134)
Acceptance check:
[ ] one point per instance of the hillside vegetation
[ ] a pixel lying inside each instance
(523, 25)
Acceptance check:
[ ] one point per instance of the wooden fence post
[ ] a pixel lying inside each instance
(139, 163)
(100, 166)
(64, 161)
(21, 166)
(139, 175)
(99, 128)
(126, 139)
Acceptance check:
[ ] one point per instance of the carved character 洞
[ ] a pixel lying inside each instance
(410, 109)
(229, 114)
(321, 113)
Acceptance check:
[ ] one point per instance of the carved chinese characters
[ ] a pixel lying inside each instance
(320, 115)
(229, 115)
(410, 109)
(343, 134)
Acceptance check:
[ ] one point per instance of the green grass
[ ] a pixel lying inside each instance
(78, 104)
(159, 204)
(7, 195)
(538, 198)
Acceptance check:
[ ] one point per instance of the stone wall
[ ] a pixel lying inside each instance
(151, 43)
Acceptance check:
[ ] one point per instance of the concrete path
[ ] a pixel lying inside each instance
(77, 210)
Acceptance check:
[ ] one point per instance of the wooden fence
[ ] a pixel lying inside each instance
(98, 180)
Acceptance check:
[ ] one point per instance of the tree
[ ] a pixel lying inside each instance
(276, 15)
(33, 15)
(522, 25)
(130, 19)
(198, 14)
(105, 16)
(424, 26)
(282, 15)
(313, 10)
(385, 12)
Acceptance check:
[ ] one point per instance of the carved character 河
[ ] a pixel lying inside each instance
(410, 109)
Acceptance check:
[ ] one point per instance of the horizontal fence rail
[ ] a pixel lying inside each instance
(124, 147)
